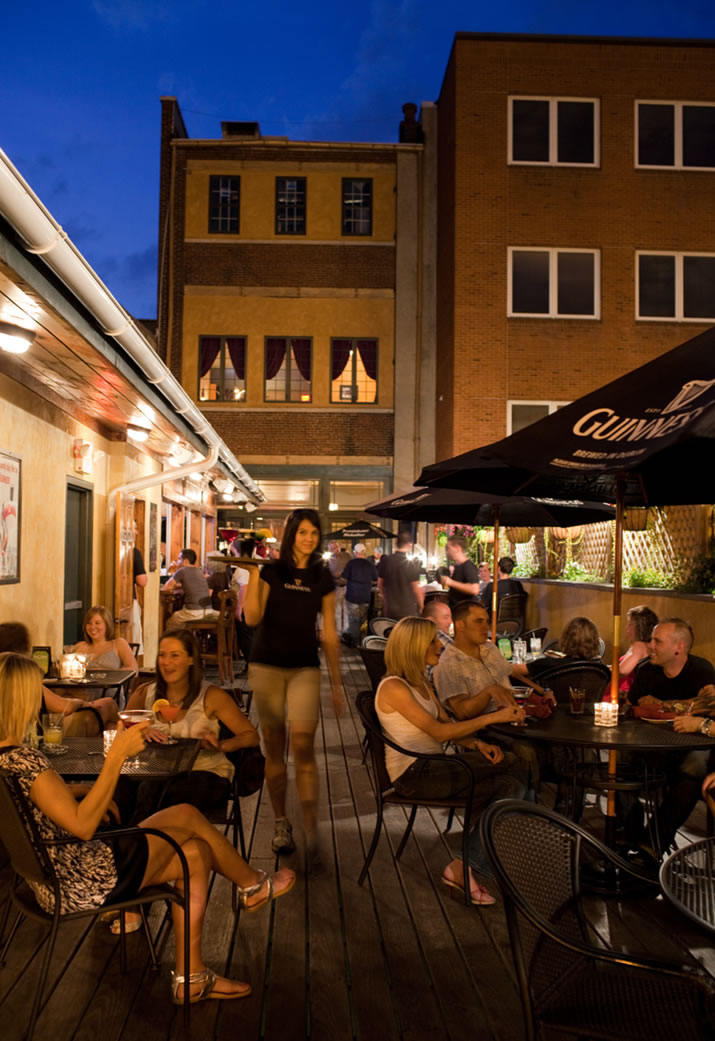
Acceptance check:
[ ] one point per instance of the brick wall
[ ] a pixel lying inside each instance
(614, 208)
(289, 264)
(290, 432)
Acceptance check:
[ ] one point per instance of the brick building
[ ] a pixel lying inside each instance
(297, 307)
(576, 221)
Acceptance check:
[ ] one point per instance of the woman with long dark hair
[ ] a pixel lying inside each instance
(284, 600)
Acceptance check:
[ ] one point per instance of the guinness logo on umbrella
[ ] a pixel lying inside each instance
(689, 392)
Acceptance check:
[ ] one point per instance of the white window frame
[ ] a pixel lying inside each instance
(554, 252)
(679, 286)
(553, 406)
(553, 132)
(677, 163)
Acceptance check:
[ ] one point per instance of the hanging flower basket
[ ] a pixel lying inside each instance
(567, 533)
(635, 518)
(519, 535)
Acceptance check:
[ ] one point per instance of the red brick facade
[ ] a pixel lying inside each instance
(290, 432)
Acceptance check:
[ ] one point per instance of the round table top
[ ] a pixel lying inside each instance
(563, 728)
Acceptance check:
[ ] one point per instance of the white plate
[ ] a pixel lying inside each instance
(646, 719)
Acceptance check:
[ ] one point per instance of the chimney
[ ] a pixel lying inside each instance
(240, 129)
(410, 130)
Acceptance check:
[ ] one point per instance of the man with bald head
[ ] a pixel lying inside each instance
(672, 675)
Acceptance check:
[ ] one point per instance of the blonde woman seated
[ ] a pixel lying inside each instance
(102, 649)
(93, 872)
(411, 715)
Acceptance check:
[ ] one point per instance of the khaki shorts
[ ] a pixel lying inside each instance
(285, 695)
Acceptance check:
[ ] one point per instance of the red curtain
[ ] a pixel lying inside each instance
(368, 355)
(301, 353)
(275, 353)
(237, 353)
(341, 353)
(209, 346)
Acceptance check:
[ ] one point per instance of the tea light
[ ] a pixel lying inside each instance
(605, 714)
(66, 663)
(77, 670)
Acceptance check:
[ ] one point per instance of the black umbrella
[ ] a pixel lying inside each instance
(649, 433)
(646, 439)
(360, 530)
(455, 506)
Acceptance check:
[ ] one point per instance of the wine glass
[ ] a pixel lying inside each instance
(130, 717)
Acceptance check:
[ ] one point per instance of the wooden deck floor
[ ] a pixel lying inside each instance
(394, 960)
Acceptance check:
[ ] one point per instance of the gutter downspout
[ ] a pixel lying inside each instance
(44, 237)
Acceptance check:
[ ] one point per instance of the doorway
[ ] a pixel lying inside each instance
(78, 559)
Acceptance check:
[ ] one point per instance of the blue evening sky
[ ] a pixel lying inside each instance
(80, 83)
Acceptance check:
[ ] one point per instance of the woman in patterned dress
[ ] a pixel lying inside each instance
(92, 872)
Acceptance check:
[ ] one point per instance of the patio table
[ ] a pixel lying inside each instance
(687, 879)
(96, 679)
(84, 759)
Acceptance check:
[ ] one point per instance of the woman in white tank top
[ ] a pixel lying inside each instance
(411, 715)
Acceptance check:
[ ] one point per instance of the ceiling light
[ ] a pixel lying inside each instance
(196, 477)
(332, 506)
(250, 508)
(227, 497)
(137, 434)
(14, 339)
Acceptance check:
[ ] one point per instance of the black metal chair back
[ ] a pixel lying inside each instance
(511, 613)
(569, 982)
(373, 658)
(31, 862)
(591, 676)
(381, 626)
(385, 794)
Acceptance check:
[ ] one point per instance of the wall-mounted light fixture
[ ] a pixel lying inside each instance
(14, 339)
(137, 434)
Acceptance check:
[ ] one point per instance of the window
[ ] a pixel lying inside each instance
(352, 495)
(676, 286)
(224, 201)
(222, 368)
(353, 371)
(554, 131)
(290, 493)
(290, 205)
(357, 206)
(675, 135)
(554, 283)
(520, 414)
(288, 373)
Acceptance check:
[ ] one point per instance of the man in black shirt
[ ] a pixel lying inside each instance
(398, 580)
(463, 584)
(507, 584)
(673, 674)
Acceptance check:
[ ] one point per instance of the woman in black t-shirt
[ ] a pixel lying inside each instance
(284, 601)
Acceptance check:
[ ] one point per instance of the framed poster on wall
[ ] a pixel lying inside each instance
(153, 534)
(10, 487)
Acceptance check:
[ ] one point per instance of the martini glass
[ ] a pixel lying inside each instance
(170, 713)
(130, 717)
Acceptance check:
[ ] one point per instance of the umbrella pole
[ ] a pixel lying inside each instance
(617, 578)
(495, 579)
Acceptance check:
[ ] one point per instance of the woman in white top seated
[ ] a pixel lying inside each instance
(103, 651)
(411, 715)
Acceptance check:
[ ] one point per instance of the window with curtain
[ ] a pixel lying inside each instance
(353, 376)
(290, 205)
(357, 206)
(222, 368)
(288, 368)
(224, 203)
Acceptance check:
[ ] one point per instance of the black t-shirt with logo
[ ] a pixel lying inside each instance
(287, 636)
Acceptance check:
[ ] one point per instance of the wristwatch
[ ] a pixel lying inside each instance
(706, 727)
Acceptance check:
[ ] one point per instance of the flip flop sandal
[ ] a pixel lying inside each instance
(208, 980)
(132, 923)
(480, 895)
(264, 880)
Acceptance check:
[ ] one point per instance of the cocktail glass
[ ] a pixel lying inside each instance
(52, 723)
(170, 713)
(130, 717)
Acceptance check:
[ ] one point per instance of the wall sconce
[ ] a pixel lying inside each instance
(82, 455)
(332, 506)
(137, 434)
(14, 339)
